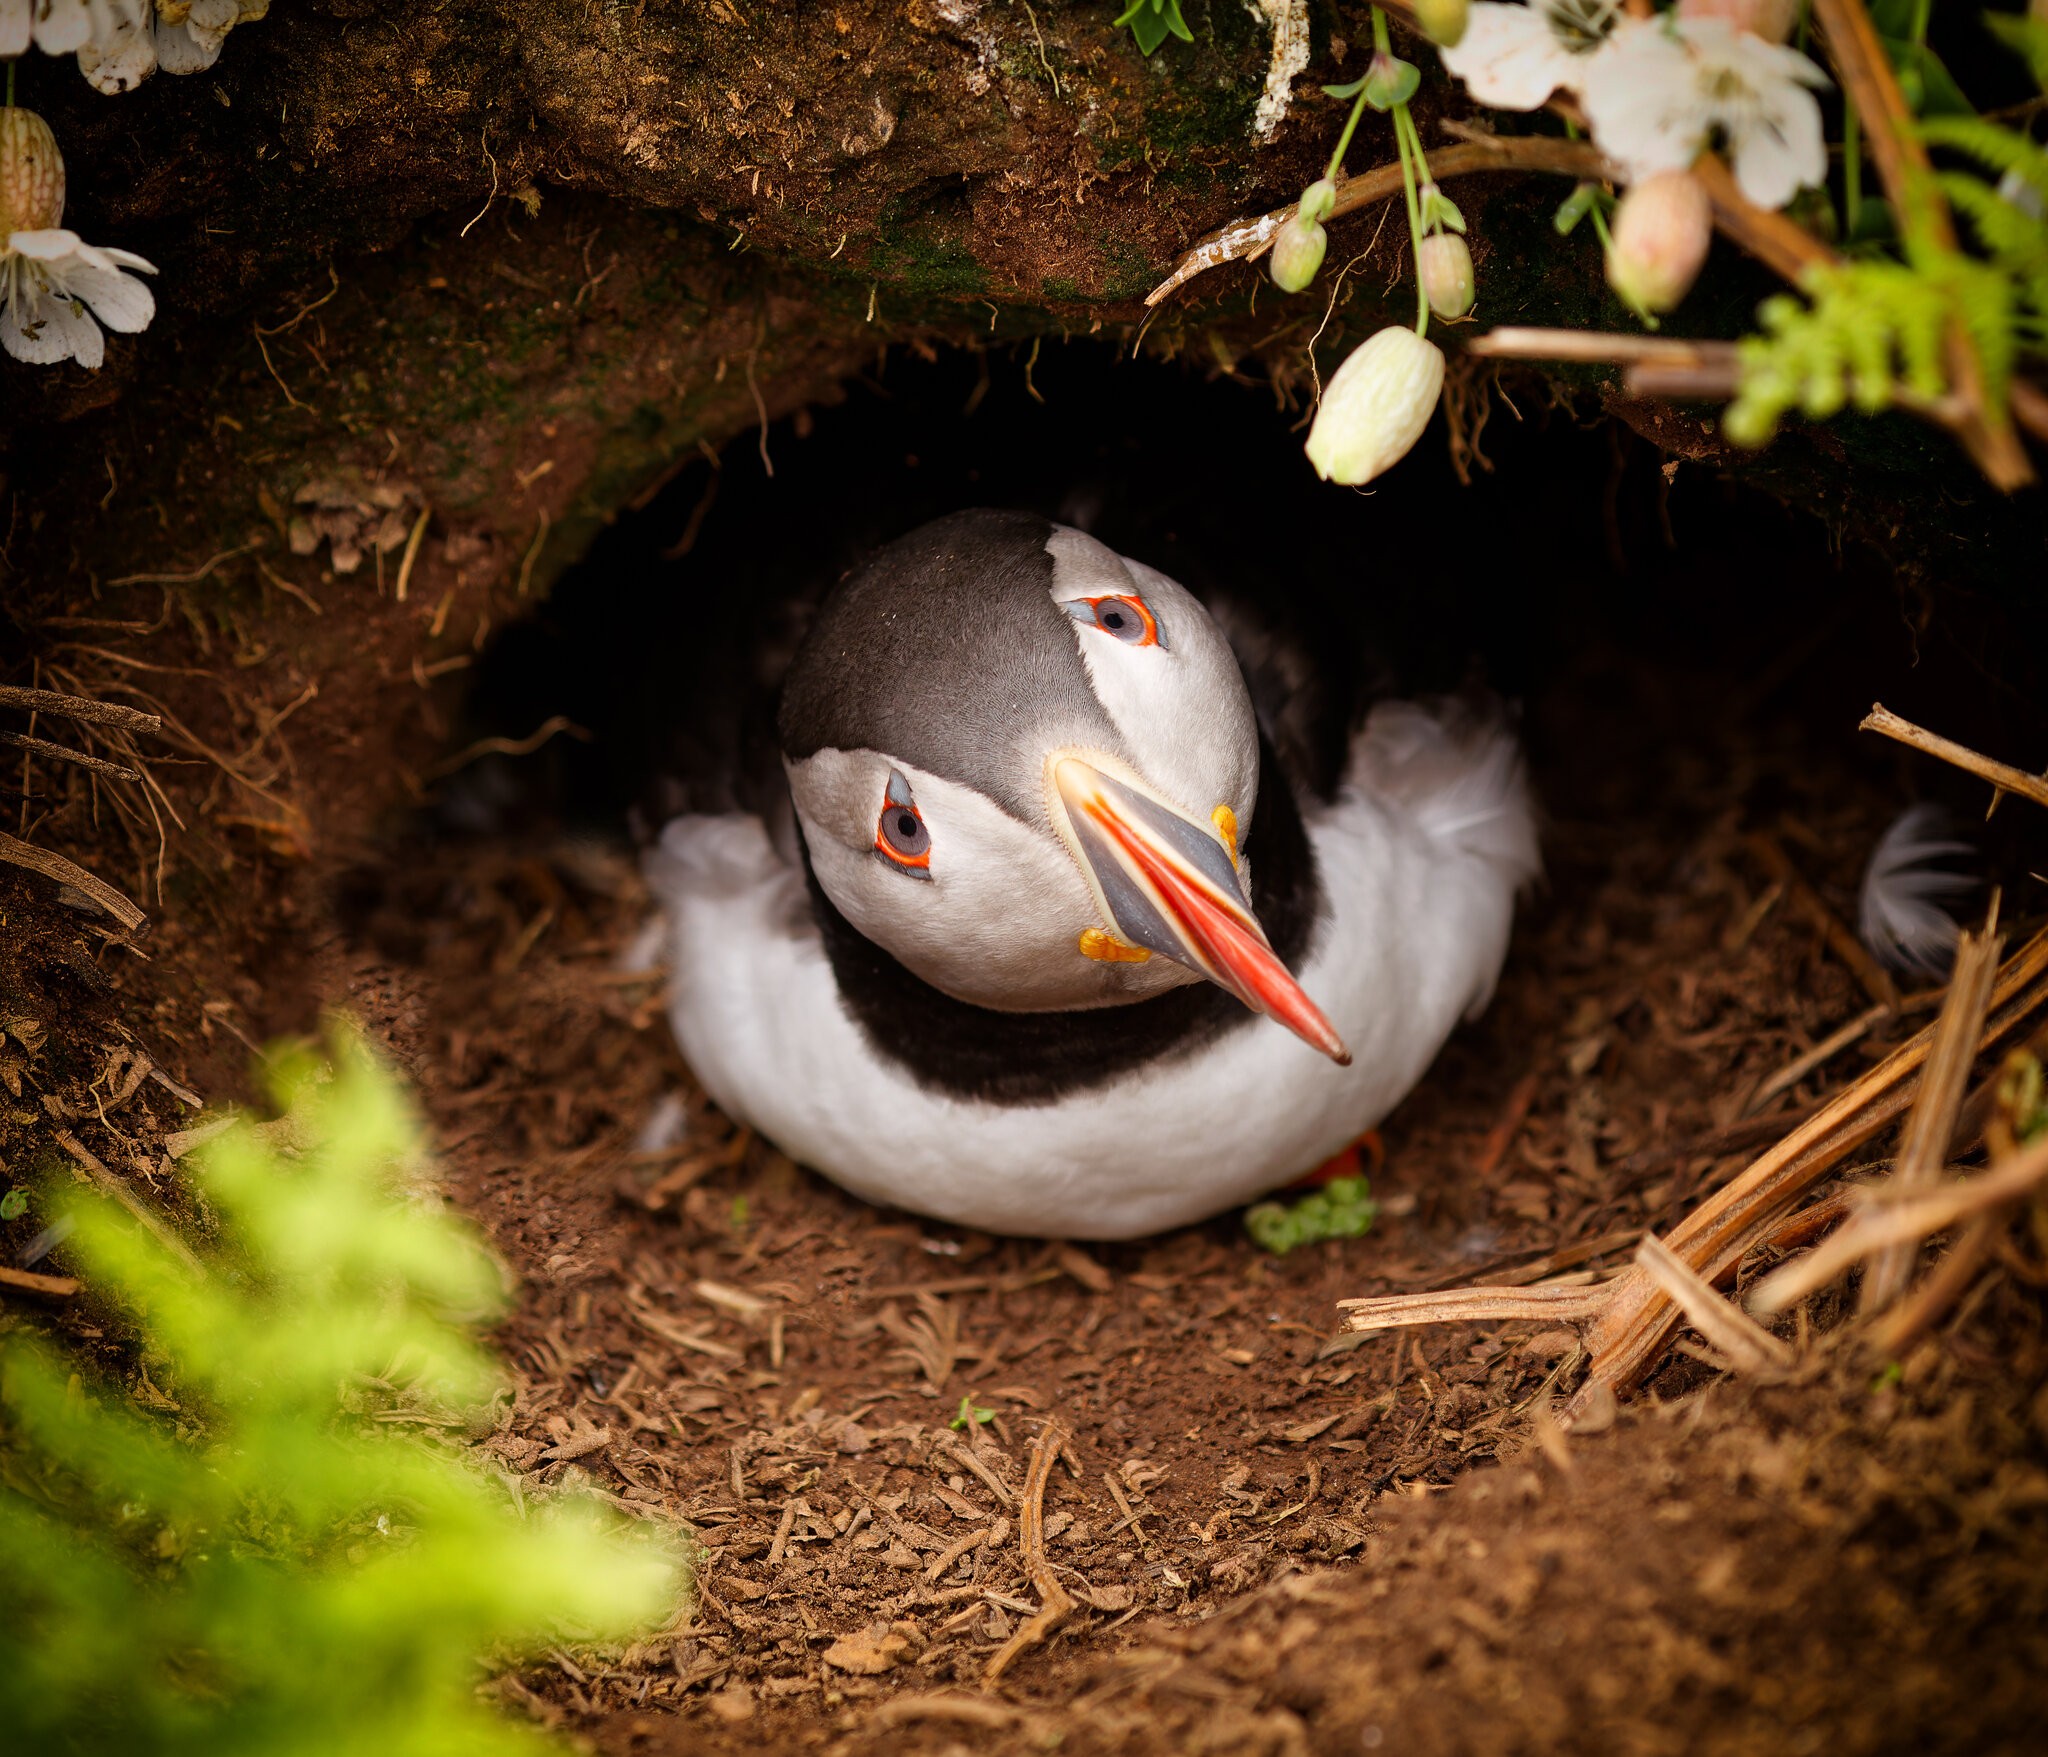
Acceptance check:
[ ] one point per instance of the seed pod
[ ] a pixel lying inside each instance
(1444, 21)
(1375, 408)
(1770, 19)
(1661, 231)
(1445, 264)
(31, 175)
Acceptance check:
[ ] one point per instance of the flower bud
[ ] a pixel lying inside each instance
(1662, 228)
(1445, 265)
(1770, 19)
(1376, 406)
(1444, 21)
(31, 175)
(1297, 254)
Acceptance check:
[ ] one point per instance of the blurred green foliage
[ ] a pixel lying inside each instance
(277, 1543)
(1340, 1209)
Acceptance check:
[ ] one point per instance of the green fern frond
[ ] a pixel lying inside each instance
(2001, 149)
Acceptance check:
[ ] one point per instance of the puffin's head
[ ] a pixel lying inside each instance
(1023, 766)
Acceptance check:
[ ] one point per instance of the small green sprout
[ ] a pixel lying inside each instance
(13, 1205)
(740, 1212)
(1340, 1209)
(1892, 1376)
(972, 1414)
(1152, 21)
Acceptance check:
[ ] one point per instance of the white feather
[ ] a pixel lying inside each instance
(1897, 915)
(1421, 855)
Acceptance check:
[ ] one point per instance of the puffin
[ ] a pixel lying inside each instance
(1046, 920)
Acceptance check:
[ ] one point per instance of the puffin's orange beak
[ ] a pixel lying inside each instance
(1169, 885)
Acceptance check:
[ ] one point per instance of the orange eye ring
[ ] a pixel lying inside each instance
(1123, 616)
(901, 838)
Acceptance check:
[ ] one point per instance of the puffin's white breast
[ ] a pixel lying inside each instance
(1420, 857)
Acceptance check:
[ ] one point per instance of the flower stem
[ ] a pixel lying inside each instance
(1344, 139)
(1404, 127)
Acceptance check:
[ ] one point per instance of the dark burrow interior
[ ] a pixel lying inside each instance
(778, 1364)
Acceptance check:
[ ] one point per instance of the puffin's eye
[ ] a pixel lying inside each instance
(1123, 616)
(900, 835)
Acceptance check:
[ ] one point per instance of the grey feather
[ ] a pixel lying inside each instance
(1899, 917)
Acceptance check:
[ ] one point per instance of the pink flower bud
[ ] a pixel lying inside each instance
(1662, 228)
(1446, 268)
(1376, 406)
(31, 175)
(1770, 19)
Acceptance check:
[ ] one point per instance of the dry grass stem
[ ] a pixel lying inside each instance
(1943, 1087)
(1637, 1323)
(1907, 1220)
(1055, 1603)
(1472, 1305)
(2003, 776)
(1745, 1343)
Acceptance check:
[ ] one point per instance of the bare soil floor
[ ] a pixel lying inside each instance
(1276, 1537)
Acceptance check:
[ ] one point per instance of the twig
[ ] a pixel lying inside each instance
(1592, 346)
(1055, 1603)
(19, 853)
(1943, 1087)
(49, 1286)
(1472, 1305)
(1637, 1321)
(1251, 238)
(111, 1185)
(1883, 1224)
(2003, 776)
(65, 754)
(202, 571)
(995, 1484)
(78, 707)
(1745, 1343)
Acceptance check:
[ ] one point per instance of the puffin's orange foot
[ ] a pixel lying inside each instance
(1365, 1157)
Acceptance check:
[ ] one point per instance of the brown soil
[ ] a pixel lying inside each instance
(1278, 1541)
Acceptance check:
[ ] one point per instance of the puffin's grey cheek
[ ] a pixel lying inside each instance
(838, 795)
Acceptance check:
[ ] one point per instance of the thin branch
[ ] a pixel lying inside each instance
(76, 707)
(2003, 776)
(19, 853)
(1473, 1305)
(63, 753)
(1244, 240)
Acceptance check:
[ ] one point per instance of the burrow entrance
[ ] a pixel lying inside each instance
(784, 1367)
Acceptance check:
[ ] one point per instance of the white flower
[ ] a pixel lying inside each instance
(1513, 57)
(1376, 406)
(1661, 89)
(51, 281)
(120, 43)
(52, 285)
